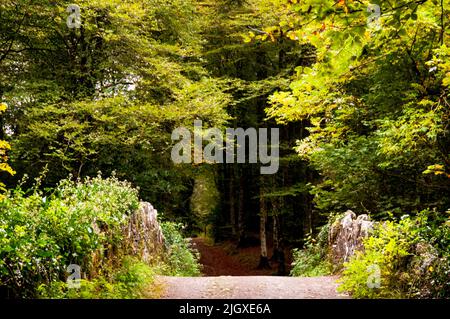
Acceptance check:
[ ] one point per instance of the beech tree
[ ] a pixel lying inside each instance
(106, 95)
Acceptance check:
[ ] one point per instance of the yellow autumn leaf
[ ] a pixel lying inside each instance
(6, 168)
(292, 36)
(4, 145)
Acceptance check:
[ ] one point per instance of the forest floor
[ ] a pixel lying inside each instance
(225, 259)
(230, 273)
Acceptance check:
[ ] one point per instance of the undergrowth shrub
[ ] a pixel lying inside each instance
(181, 258)
(80, 222)
(131, 280)
(42, 233)
(412, 255)
(313, 260)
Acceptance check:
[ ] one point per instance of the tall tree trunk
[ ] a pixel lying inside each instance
(264, 260)
(309, 209)
(275, 231)
(278, 252)
(232, 203)
(240, 228)
(307, 218)
(276, 240)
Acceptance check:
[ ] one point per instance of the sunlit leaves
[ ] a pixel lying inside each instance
(107, 95)
(436, 169)
(376, 99)
(4, 148)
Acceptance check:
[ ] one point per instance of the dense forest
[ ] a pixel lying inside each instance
(92, 92)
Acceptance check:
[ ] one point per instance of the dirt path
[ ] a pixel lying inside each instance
(230, 273)
(250, 287)
(226, 260)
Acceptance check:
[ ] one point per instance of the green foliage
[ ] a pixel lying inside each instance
(133, 279)
(252, 69)
(404, 272)
(114, 134)
(41, 234)
(367, 104)
(312, 260)
(377, 102)
(387, 249)
(106, 97)
(81, 222)
(181, 258)
(4, 147)
(204, 200)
